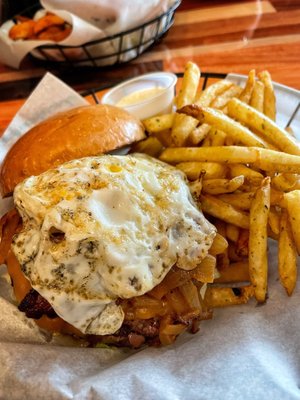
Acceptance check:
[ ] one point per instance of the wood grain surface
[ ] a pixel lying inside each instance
(221, 36)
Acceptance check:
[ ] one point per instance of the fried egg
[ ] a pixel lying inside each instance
(102, 228)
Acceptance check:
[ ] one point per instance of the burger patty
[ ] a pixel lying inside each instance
(131, 334)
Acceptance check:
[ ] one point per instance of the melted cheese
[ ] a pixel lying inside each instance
(102, 228)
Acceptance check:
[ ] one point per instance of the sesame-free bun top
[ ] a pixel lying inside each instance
(79, 132)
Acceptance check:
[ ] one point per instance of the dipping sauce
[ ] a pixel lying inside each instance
(144, 96)
(139, 96)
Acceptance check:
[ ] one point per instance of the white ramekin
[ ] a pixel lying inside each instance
(160, 103)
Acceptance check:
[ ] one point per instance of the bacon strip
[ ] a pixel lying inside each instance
(35, 306)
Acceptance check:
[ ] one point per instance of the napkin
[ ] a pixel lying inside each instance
(91, 20)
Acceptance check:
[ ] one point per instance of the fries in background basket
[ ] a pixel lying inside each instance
(244, 170)
(48, 27)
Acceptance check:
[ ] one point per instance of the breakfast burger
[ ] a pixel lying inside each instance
(108, 248)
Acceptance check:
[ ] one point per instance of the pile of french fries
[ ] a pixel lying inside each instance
(244, 171)
(48, 27)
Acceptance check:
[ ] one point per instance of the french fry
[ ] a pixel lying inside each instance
(164, 137)
(23, 30)
(264, 125)
(249, 187)
(218, 186)
(226, 296)
(242, 244)
(241, 201)
(233, 129)
(217, 137)
(189, 85)
(235, 272)
(250, 175)
(207, 141)
(207, 96)
(265, 159)
(218, 154)
(271, 161)
(274, 221)
(224, 211)
(221, 101)
(269, 95)
(198, 134)
(258, 261)
(277, 198)
(47, 21)
(246, 94)
(194, 169)
(287, 255)
(48, 27)
(55, 33)
(150, 146)
(257, 98)
(183, 126)
(292, 200)
(159, 123)
(232, 232)
(272, 235)
(285, 182)
(229, 141)
(219, 245)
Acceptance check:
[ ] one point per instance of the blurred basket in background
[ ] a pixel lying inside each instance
(111, 50)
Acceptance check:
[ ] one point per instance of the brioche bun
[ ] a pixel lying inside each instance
(79, 132)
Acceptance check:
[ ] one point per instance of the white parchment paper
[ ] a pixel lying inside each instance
(244, 352)
(90, 20)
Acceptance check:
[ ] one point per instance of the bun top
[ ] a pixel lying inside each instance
(80, 132)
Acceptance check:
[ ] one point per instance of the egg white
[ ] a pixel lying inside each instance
(122, 223)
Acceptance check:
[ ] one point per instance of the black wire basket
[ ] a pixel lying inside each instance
(115, 49)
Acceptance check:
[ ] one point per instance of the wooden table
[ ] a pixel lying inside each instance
(220, 36)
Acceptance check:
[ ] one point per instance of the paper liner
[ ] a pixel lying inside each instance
(244, 352)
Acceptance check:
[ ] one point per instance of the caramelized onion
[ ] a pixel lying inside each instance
(8, 227)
